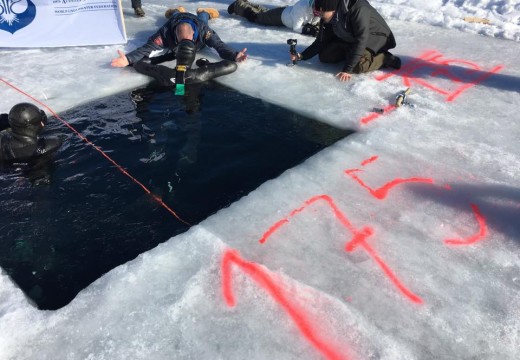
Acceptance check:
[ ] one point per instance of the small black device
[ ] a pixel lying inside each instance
(292, 43)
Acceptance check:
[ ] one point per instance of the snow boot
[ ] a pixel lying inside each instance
(391, 61)
(213, 13)
(168, 13)
(139, 12)
(245, 9)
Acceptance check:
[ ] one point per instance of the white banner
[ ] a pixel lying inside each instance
(53, 23)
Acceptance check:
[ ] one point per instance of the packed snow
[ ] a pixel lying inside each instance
(401, 241)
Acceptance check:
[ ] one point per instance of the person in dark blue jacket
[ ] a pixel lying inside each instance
(180, 38)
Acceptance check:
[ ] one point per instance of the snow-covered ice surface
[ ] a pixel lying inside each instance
(401, 241)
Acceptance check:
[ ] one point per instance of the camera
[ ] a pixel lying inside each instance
(292, 43)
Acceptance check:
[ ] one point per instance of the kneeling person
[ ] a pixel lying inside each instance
(354, 32)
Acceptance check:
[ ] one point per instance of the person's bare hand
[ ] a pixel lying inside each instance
(241, 56)
(343, 76)
(296, 57)
(120, 61)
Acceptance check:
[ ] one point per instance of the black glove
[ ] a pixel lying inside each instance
(310, 30)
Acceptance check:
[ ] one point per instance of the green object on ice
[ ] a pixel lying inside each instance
(179, 89)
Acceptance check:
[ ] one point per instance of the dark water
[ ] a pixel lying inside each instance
(65, 222)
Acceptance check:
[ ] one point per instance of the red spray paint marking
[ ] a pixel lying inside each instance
(262, 277)
(361, 241)
(411, 66)
(382, 192)
(459, 91)
(337, 212)
(441, 67)
(481, 234)
(369, 160)
(358, 240)
(105, 155)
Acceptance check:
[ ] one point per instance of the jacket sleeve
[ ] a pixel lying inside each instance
(224, 50)
(325, 34)
(360, 21)
(154, 43)
(312, 50)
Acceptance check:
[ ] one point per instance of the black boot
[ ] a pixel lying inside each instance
(250, 14)
(245, 9)
(231, 8)
(139, 12)
(391, 61)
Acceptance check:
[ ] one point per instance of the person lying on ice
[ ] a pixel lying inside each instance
(180, 38)
(354, 32)
(300, 17)
(19, 140)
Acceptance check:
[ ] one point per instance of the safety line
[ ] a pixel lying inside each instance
(81, 136)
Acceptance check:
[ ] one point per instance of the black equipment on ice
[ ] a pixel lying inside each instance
(292, 43)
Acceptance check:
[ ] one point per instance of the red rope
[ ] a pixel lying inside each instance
(119, 167)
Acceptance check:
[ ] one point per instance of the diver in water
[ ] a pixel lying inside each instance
(19, 140)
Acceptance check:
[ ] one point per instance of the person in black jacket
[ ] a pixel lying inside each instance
(354, 32)
(19, 140)
(180, 38)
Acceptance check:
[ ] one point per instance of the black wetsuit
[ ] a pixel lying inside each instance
(22, 146)
(165, 76)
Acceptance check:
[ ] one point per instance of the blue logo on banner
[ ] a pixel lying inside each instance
(11, 20)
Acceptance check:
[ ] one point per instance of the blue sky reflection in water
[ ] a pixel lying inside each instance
(199, 154)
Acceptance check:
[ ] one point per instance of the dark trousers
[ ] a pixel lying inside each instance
(271, 17)
(335, 52)
(136, 4)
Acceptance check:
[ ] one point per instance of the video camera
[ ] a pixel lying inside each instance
(292, 43)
